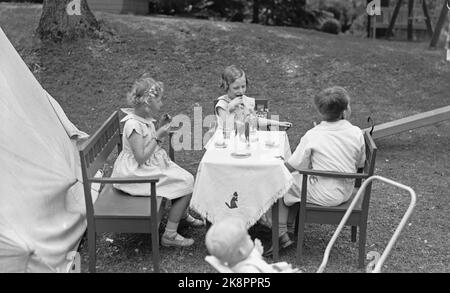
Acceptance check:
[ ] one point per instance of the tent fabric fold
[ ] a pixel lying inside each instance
(39, 169)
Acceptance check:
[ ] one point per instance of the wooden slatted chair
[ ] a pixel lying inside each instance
(311, 213)
(115, 211)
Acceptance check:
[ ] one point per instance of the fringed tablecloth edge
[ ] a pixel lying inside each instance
(279, 194)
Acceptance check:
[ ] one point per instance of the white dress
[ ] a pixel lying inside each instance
(223, 101)
(331, 146)
(173, 182)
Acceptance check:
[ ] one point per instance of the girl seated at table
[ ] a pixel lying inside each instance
(143, 156)
(234, 82)
(333, 145)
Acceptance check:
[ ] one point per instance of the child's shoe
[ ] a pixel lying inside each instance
(176, 240)
(194, 222)
(284, 242)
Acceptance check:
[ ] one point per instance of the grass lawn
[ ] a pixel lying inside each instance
(387, 80)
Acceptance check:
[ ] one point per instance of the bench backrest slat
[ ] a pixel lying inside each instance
(95, 152)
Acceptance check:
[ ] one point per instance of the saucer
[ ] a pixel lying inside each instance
(241, 155)
(220, 146)
(270, 144)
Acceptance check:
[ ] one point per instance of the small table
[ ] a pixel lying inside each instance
(244, 187)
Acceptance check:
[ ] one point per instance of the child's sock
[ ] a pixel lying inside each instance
(171, 229)
(282, 229)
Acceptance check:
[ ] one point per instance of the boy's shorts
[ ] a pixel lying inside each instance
(294, 194)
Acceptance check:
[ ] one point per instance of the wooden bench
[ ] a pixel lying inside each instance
(115, 211)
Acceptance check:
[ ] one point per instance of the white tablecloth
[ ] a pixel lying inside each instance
(226, 186)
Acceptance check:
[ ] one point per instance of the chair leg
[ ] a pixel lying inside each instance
(155, 251)
(92, 250)
(296, 223)
(275, 231)
(362, 245)
(354, 232)
(300, 238)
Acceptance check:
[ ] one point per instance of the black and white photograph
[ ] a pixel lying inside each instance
(225, 137)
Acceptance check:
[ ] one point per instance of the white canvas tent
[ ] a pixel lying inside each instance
(41, 197)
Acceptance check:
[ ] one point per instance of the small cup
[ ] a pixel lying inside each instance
(270, 140)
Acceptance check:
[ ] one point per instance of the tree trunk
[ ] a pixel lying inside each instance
(66, 20)
(255, 11)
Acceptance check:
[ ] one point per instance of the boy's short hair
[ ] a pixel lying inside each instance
(224, 238)
(143, 89)
(332, 102)
(230, 74)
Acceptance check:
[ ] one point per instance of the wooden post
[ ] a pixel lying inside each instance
(394, 17)
(427, 18)
(439, 24)
(447, 44)
(374, 27)
(369, 20)
(410, 19)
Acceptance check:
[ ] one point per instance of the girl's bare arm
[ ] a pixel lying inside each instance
(141, 151)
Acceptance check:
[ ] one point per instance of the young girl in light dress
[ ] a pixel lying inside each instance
(142, 156)
(234, 83)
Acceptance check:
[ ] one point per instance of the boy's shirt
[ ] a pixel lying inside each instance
(330, 146)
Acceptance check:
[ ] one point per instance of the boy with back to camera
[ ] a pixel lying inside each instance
(332, 145)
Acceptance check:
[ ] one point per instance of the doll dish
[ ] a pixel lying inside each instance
(270, 143)
(220, 145)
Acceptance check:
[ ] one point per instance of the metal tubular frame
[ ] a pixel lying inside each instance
(387, 250)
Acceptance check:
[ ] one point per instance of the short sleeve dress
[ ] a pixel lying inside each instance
(173, 182)
(223, 101)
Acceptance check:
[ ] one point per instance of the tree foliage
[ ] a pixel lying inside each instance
(299, 13)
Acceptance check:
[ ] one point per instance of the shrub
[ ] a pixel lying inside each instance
(331, 26)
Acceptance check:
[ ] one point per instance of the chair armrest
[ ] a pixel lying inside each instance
(171, 150)
(125, 180)
(333, 174)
